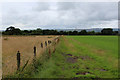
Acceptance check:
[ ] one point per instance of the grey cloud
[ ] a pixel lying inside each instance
(59, 15)
(66, 5)
(42, 6)
(94, 11)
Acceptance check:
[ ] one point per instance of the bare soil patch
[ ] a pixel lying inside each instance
(83, 73)
(71, 60)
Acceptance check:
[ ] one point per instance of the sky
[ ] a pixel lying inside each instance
(59, 15)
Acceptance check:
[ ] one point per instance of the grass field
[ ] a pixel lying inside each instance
(82, 56)
(74, 57)
(25, 44)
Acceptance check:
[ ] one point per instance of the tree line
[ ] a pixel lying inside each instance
(16, 31)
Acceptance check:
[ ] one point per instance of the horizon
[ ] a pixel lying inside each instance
(64, 29)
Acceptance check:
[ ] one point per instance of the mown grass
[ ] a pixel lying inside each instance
(97, 57)
(94, 46)
(100, 61)
(108, 43)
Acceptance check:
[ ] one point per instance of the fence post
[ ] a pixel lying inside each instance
(41, 45)
(18, 60)
(49, 41)
(45, 43)
(34, 51)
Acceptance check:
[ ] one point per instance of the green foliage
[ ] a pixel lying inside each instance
(12, 31)
(83, 32)
(16, 31)
(91, 32)
(107, 31)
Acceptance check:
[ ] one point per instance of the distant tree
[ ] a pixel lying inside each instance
(107, 31)
(17, 31)
(98, 33)
(12, 31)
(65, 33)
(47, 32)
(38, 31)
(83, 32)
(53, 32)
(70, 33)
(115, 32)
(61, 32)
(91, 33)
(25, 32)
(75, 32)
(11, 28)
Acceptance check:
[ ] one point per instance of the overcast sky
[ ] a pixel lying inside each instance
(60, 15)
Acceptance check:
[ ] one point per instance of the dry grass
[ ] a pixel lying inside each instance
(25, 45)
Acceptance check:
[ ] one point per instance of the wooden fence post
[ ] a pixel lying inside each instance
(41, 45)
(49, 41)
(18, 60)
(45, 43)
(34, 51)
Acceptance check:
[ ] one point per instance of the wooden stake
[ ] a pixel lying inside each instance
(18, 60)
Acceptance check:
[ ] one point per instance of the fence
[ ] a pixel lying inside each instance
(45, 44)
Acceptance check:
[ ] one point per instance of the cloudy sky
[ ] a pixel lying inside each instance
(59, 15)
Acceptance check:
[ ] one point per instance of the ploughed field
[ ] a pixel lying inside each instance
(24, 44)
(82, 56)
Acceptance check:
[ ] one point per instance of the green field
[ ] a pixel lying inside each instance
(81, 56)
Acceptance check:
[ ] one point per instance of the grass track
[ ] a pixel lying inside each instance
(96, 57)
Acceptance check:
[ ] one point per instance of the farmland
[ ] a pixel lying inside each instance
(75, 56)
(82, 56)
(24, 44)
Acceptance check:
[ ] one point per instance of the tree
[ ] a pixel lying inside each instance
(11, 28)
(12, 31)
(25, 32)
(91, 32)
(46, 32)
(69, 32)
(17, 31)
(107, 31)
(115, 32)
(61, 32)
(38, 31)
(98, 33)
(75, 32)
(83, 32)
